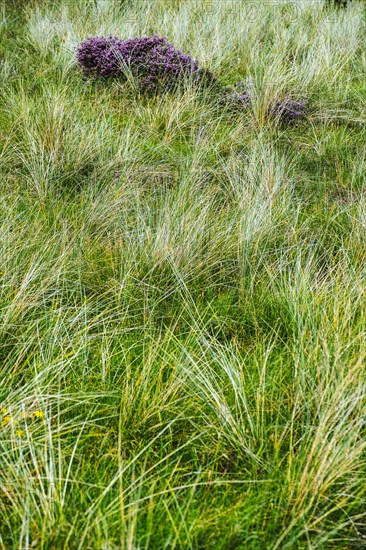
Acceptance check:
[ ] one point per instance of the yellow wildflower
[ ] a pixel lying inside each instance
(39, 414)
(6, 419)
(19, 433)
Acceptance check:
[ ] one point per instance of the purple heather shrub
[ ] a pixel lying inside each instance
(98, 56)
(236, 99)
(156, 63)
(289, 111)
(239, 100)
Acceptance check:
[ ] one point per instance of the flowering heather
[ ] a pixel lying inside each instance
(236, 99)
(98, 55)
(155, 62)
(289, 111)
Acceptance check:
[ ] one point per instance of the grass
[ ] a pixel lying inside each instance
(182, 288)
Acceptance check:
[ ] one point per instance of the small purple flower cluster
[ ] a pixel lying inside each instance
(236, 99)
(156, 63)
(289, 110)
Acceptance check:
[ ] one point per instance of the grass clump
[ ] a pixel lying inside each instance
(182, 303)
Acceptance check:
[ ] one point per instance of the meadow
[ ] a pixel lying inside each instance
(182, 286)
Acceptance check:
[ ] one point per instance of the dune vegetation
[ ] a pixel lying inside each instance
(182, 283)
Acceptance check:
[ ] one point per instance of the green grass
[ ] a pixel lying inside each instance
(182, 289)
